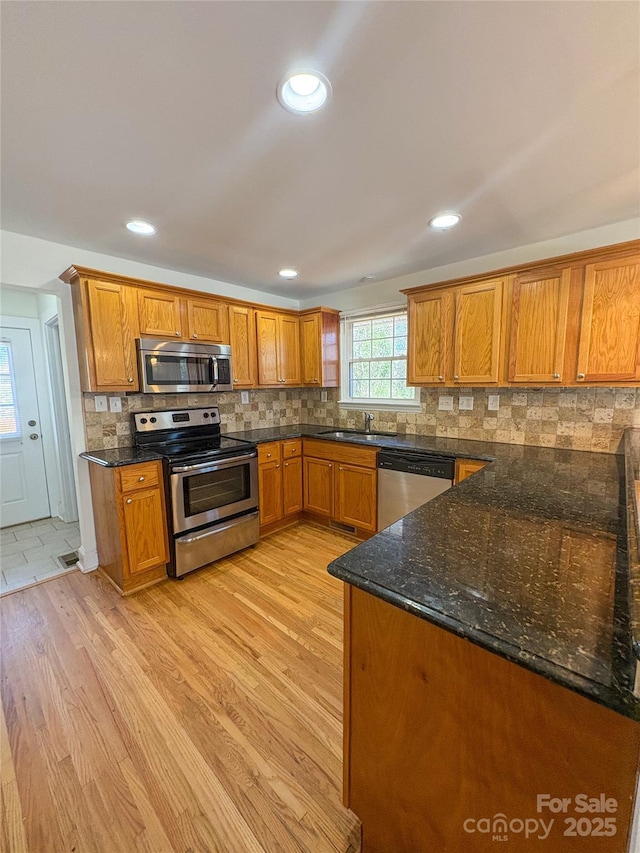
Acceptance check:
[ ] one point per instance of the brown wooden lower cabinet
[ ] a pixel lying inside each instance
(341, 484)
(466, 467)
(442, 737)
(131, 525)
(279, 483)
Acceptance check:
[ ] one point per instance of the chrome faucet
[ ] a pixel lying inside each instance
(368, 417)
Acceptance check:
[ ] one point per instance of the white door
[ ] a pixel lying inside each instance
(23, 481)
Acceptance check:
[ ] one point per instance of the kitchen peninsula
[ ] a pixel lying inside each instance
(489, 660)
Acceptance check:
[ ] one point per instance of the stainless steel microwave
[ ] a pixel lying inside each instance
(170, 367)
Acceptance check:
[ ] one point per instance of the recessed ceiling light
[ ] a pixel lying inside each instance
(304, 91)
(444, 220)
(366, 278)
(138, 226)
(287, 272)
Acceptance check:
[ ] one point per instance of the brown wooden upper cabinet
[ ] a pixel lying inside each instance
(454, 335)
(278, 348)
(538, 304)
(242, 337)
(107, 322)
(160, 314)
(609, 346)
(207, 321)
(319, 348)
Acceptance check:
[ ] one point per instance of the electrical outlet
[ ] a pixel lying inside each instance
(323, 396)
(115, 404)
(100, 403)
(244, 397)
(445, 404)
(465, 404)
(494, 402)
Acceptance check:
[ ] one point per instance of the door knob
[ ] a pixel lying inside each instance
(32, 423)
(34, 436)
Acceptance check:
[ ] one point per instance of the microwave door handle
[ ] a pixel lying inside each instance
(214, 369)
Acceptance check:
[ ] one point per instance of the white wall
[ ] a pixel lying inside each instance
(19, 303)
(388, 291)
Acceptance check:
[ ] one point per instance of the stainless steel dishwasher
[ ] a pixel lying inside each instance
(407, 480)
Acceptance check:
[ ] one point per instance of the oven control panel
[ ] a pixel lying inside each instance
(176, 418)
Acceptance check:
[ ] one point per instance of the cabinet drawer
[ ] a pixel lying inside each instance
(351, 454)
(140, 476)
(269, 452)
(291, 447)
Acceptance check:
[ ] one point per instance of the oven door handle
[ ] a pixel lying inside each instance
(205, 467)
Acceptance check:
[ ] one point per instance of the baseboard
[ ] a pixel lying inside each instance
(87, 560)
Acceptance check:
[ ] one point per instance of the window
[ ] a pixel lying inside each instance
(9, 421)
(374, 362)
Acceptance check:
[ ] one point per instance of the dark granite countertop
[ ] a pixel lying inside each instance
(527, 558)
(120, 456)
(632, 479)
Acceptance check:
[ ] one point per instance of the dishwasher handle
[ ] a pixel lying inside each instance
(418, 463)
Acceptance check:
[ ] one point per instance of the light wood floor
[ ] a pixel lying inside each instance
(202, 715)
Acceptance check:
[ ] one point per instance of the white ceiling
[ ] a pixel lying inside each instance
(524, 117)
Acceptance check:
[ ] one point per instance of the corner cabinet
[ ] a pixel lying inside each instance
(132, 539)
(609, 347)
(106, 320)
(319, 348)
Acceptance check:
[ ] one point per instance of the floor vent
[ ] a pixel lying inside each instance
(68, 560)
(345, 528)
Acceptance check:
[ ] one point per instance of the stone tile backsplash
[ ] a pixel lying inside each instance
(577, 418)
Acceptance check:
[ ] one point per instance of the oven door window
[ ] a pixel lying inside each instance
(178, 370)
(216, 489)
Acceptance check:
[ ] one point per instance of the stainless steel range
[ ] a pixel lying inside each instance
(212, 485)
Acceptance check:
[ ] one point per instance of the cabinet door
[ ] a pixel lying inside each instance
(267, 334)
(466, 467)
(207, 321)
(318, 486)
(610, 331)
(311, 349)
(270, 491)
(289, 350)
(112, 336)
(145, 530)
(430, 333)
(242, 336)
(292, 486)
(477, 332)
(538, 326)
(357, 496)
(160, 314)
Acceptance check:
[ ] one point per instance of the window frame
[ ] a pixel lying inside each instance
(369, 404)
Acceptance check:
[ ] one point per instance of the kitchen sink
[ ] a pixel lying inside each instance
(354, 433)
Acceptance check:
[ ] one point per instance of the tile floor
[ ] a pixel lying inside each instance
(28, 552)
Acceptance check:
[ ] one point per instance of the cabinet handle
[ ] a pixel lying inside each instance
(236, 379)
(556, 376)
(268, 456)
(455, 376)
(440, 378)
(315, 380)
(194, 335)
(131, 379)
(178, 334)
(130, 500)
(330, 465)
(286, 464)
(141, 479)
(581, 376)
(277, 466)
(341, 468)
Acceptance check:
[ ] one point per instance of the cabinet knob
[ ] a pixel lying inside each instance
(194, 335)
(236, 379)
(130, 500)
(455, 376)
(315, 380)
(341, 468)
(177, 334)
(268, 456)
(581, 376)
(330, 465)
(440, 378)
(141, 479)
(556, 376)
(277, 466)
(286, 464)
(131, 379)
